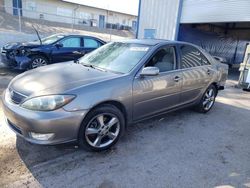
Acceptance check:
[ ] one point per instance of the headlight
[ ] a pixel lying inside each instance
(47, 103)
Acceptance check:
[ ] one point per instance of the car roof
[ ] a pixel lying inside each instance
(73, 34)
(150, 42)
(79, 35)
(153, 42)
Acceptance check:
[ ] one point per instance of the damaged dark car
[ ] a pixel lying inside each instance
(53, 49)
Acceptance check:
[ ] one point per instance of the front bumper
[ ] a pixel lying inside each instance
(63, 124)
(16, 62)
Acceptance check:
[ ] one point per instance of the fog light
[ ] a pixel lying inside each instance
(42, 137)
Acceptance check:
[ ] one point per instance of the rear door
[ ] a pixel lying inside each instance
(90, 44)
(155, 94)
(197, 73)
(71, 49)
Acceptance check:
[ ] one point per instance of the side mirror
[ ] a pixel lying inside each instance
(150, 71)
(59, 45)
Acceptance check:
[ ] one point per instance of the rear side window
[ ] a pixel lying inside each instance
(192, 57)
(91, 43)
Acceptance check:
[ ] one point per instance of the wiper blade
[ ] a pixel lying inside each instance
(94, 67)
(88, 65)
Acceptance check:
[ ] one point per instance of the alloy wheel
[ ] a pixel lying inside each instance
(209, 99)
(102, 130)
(38, 62)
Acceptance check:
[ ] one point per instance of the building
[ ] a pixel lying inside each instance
(68, 12)
(221, 27)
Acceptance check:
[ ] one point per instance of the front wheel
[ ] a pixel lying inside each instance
(207, 101)
(101, 128)
(38, 61)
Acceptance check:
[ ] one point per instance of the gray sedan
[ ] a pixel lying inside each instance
(93, 100)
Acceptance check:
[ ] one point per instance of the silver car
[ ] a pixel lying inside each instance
(93, 100)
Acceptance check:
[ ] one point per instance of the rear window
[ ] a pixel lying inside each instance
(192, 57)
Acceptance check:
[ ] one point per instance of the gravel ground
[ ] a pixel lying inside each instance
(180, 149)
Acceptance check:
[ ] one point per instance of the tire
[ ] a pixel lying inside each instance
(101, 128)
(207, 101)
(38, 61)
(248, 90)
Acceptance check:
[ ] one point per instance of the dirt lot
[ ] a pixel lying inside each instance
(182, 149)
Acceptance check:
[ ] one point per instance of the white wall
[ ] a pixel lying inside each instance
(161, 15)
(211, 11)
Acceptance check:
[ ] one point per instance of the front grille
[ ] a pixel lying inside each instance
(14, 127)
(16, 97)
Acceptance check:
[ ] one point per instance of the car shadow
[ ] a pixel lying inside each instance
(164, 140)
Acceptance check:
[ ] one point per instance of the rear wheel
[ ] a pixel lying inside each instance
(207, 101)
(101, 128)
(38, 61)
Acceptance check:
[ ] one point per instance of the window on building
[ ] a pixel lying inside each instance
(64, 12)
(73, 42)
(164, 59)
(192, 57)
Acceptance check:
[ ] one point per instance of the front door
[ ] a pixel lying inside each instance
(71, 49)
(155, 94)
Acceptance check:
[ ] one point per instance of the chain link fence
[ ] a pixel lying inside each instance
(22, 21)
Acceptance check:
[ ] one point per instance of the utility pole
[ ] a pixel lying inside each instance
(73, 17)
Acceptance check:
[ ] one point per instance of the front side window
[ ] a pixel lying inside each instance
(116, 56)
(73, 42)
(91, 43)
(164, 59)
(192, 57)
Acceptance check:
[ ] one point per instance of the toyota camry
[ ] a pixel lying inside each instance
(92, 101)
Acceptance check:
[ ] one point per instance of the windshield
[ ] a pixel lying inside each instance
(116, 56)
(50, 39)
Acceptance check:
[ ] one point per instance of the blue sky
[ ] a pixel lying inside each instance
(125, 6)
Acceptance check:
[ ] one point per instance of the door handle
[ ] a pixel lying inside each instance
(76, 52)
(177, 78)
(79, 52)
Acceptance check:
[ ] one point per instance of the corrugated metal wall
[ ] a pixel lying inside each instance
(211, 11)
(161, 15)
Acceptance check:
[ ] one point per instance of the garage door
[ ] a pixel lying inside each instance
(212, 11)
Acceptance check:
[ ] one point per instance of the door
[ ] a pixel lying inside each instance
(101, 21)
(197, 73)
(90, 44)
(155, 94)
(17, 5)
(134, 25)
(68, 49)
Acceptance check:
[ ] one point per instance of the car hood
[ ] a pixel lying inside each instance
(17, 45)
(57, 79)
